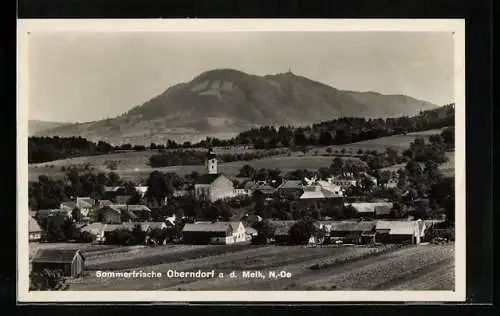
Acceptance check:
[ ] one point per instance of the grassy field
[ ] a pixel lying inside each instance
(142, 171)
(132, 165)
(422, 267)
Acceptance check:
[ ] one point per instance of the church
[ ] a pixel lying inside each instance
(213, 186)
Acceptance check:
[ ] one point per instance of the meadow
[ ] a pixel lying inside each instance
(133, 165)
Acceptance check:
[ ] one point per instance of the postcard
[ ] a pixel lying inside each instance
(257, 160)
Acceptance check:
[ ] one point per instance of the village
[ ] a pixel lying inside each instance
(114, 221)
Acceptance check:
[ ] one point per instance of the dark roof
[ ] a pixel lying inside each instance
(383, 210)
(207, 178)
(56, 255)
(208, 227)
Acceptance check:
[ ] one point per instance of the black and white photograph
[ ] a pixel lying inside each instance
(241, 160)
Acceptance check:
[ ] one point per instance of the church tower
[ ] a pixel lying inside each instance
(211, 162)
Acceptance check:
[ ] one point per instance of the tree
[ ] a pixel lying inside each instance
(301, 231)
(76, 214)
(157, 186)
(47, 280)
(337, 166)
(247, 171)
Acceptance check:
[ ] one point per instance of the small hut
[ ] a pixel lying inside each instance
(70, 261)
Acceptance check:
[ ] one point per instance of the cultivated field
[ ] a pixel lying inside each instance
(423, 267)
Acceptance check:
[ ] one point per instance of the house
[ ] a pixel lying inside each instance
(400, 231)
(212, 185)
(35, 232)
(70, 261)
(208, 233)
(237, 228)
(94, 229)
(290, 187)
(391, 183)
(369, 209)
(352, 232)
(85, 205)
(141, 190)
(281, 234)
(107, 215)
(344, 181)
(118, 213)
(326, 226)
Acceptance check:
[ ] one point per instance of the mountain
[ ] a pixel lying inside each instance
(223, 102)
(36, 126)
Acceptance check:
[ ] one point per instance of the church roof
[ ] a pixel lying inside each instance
(207, 178)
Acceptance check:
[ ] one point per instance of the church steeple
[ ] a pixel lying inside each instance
(211, 162)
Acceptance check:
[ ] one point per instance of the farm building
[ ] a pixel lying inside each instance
(214, 233)
(71, 262)
(369, 209)
(35, 232)
(352, 232)
(212, 185)
(400, 231)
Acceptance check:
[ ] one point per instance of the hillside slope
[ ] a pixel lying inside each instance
(36, 126)
(223, 102)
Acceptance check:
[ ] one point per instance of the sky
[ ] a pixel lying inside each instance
(78, 77)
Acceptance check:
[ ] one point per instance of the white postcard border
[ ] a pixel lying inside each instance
(234, 25)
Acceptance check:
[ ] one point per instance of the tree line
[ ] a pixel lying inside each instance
(335, 132)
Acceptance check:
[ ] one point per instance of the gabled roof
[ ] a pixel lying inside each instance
(33, 226)
(84, 202)
(56, 255)
(369, 207)
(207, 178)
(316, 193)
(353, 226)
(399, 227)
(207, 227)
(68, 205)
(291, 184)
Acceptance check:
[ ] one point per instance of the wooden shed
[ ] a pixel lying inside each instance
(70, 261)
